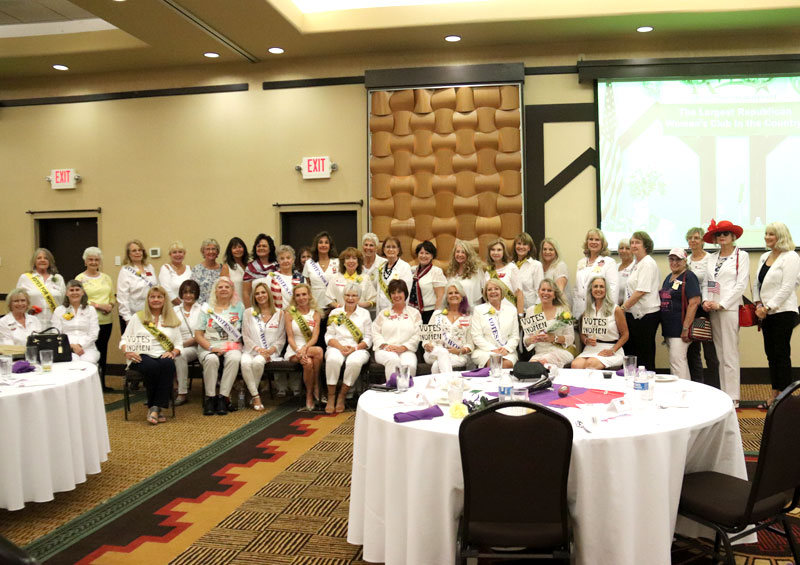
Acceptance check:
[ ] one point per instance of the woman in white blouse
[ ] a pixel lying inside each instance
(466, 268)
(395, 332)
(172, 274)
(642, 304)
(554, 268)
(321, 268)
(624, 269)
(188, 312)
(531, 271)
(45, 287)
(17, 325)
(427, 282)
(776, 303)
(394, 269)
(234, 263)
(371, 260)
(603, 330)
(135, 279)
(79, 321)
(596, 261)
(151, 342)
(264, 337)
(499, 266)
(696, 262)
(453, 350)
(351, 271)
(349, 338)
(494, 327)
(727, 277)
(302, 332)
(553, 343)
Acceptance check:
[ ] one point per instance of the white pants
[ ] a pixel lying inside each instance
(352, 365)
(210, 363)
(442, 361)
(90, 355)
(391, 361)
(188, 354)
(725, 331)
(252, 371)
(678, 361)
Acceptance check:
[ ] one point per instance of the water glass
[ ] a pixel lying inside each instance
(5, 365)
(31, 354)
(495, 365)
(629, 366)
(455, 393)
(519, 394)
(46, 358)
(402, 378)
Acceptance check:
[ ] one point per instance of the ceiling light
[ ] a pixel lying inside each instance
(275, 50)
(452, 38)
(644, 29)
(211, 55)
(61, 67)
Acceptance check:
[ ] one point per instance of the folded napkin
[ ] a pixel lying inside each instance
(620, 372)
(477, 373)
(425, 414)
(392, 382)
(22, 367)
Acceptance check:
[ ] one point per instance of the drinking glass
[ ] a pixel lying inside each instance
(31, 354)
(46, 358)
(5, 365)
(495, 365)
(402, 378)
(629, 366)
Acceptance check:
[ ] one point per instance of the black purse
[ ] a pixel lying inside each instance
(534, 373)
(56, 342)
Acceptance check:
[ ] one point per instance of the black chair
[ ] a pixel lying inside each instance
(515, 484)
(10, 554)
(729, 504)
(132, 376)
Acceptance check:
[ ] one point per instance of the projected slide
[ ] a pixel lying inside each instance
(674, 154)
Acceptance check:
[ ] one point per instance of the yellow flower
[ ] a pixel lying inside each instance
(386, 313)
(567, 316)
(68, 315)
(255, 314)
(150, 325)
(458, 410)
(492, 311)
(293, 309)
(444, 312)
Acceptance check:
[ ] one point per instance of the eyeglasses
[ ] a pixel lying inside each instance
(726, 233)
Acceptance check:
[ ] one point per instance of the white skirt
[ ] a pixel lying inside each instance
(593, 350)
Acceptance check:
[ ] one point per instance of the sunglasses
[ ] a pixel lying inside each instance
(723, 233)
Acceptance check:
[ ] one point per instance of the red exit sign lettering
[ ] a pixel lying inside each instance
(316, 167)
(62, 178)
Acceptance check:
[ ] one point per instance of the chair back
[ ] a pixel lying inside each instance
(515, 471)
(778, 469)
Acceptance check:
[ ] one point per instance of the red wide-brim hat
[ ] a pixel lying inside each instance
(714, 228)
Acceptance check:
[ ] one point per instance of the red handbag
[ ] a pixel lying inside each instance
(747, 311)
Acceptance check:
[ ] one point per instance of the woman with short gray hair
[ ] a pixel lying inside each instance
(79, 321)
(205, 274)
(99, 290)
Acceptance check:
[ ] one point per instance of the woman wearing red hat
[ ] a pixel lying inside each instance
(727, 276)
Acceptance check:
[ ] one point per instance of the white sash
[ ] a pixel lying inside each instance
(230, 329)
(282, 282)
(449, 341)
(495, 328)
(135, 273)
(318, 270)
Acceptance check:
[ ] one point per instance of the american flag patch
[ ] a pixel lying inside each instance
(713, 287)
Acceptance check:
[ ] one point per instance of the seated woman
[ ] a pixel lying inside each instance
(188, 312)
(349, 338)
(395, 331)
(219, 334)
(604, 329)
(351, 270)
(79, 321)
(453, 350)
(17, 325)
(494, 327)
(554, 344)
(427, 285)
(264, 338)
(500, 266)
(302, 333)
(151, 342)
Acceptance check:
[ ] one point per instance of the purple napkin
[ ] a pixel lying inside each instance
(426, 414)
(22, 367)
(620, 372)
(477, 373)
(547, 396)
(392, 382)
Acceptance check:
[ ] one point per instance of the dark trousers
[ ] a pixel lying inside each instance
(777, 329)
(102, 347)
(696, 363)
(158, 374)
(122, 325)
(642, 338)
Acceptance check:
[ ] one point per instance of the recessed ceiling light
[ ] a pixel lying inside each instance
(211, 55)
(61, 67)
(644, 29)
(275, 50)
(452, 38)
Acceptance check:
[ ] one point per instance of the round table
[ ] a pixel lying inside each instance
(54, 433)
(624, 485)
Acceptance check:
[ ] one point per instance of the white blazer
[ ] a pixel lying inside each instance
(777, 292)
(732, 286)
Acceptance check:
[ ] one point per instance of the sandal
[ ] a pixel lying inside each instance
(340, 406)
(152, 417)
(255, 402)
(161, 417)
(329, 407)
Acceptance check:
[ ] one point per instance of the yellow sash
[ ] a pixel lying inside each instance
(342, 320)
(301, 323)
(51, 302)
(165, 342)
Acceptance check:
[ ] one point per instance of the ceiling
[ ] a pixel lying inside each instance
(99, 36)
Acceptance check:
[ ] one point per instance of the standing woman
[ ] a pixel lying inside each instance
(531, 271)
(172, 274)
(205, 274)
(554, 268)
(79, 321)
(603, 313)
(234, 262)
(696, 262)
(394, 269)
(624, 269)
(466, 268)
(680, 298)
(99, 289)
(727, 277)
(596, 261)
(350, 261)
(349, 338)
(499, 266)
(264, 338)
(188, 312)
(17, 325)
(776, 303)
(642, 303)
(303, 255)
(135, 279)
(44, 285)
(322, 267)
(395, 332)
(264, 262)
(219, 334)
(494, 327)
(158, 325)
(427, 283)
(282, 281)
(371, 260)
(453, 350)
(302, 333)
(554, 344)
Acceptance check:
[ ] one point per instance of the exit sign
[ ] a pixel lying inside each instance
(316, 167)
(63, 178)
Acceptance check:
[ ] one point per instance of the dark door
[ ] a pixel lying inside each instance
(299, 228)
(67, 238)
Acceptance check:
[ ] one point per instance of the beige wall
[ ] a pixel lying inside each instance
(190, 167)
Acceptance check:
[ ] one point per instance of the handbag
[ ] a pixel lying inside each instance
(700, 330)
(533, 372)
(747, 311)
(56, 342)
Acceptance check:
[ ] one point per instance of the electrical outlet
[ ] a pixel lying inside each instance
(117, 260)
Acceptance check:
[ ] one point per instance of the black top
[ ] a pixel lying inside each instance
(671, 302)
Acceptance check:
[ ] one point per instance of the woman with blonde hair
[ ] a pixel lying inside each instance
(466, 268)
(624, 269)
(554, 343)
(596, 261)
(264, 337)
(135, 279)
(603, 329)
(172, 274)
(454, 348)
(500, 266)
(45, 287)
(531, 271)
(302, 332)
(554, 268)
(494, 327)
(18, 324)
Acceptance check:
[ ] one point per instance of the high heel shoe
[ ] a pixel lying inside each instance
(255, 402)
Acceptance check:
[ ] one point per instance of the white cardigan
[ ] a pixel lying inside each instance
(778, 289)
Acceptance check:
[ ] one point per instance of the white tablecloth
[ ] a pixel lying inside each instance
(624, 485)
(52, 433)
